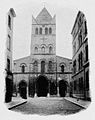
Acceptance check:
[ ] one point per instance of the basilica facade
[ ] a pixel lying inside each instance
(42, 71)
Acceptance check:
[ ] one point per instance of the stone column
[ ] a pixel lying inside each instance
(35, 89)
(58, 91)
(48, 95)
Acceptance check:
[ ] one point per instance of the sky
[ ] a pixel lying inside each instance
(65, 17)
(66, 11)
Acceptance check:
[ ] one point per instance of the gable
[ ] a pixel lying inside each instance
(44, 17)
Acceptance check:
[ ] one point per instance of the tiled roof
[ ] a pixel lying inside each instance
(44, 17)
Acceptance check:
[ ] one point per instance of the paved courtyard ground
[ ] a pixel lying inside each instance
(48, 106)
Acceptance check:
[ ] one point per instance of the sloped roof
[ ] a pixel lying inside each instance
(63, 58)
(23, 58)
(44, 17)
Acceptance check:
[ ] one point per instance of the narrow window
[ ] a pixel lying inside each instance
(46, 31)
(43, 49)
(8, 64)
(50, 30)
(9, 21)
(35, 66)
(85, 28)
(86, 52)
(42, 66)
(50, 49)
(62, 68)
(9, 42)
(74, 66)
(36, 31)
(50, 66)
(23, 68)
(81, 60)
(87, 80)
(36, 49)
(40, 30)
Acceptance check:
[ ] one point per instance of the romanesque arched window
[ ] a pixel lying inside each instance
(36, 50)
(36, 31)
(50, 66)
(46, 30)
(23, 68)
(50, 49)
(50, 30)
(43, 49)
(40, 31)
(35, 66)
(23, 65)
(62, 68)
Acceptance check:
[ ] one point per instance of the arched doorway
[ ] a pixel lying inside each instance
(62, 88)
(42, 86)
(23, 89)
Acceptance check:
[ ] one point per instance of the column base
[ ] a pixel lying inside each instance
(35, 95)
(48, 95)
(58, 95)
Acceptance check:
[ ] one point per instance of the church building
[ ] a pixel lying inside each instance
(42, 71)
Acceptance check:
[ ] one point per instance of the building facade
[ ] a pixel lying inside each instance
(43, 66)
(80, 60)
(8, 60)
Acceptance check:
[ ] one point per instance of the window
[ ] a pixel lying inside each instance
(86, 52)
(36, 31)
(80, 60)
(9, 21)
(87, 80)
(43, 49)
(74, 66)
(35, 66)
(50, 30)
(50, 49)
(36, 49)
(46, 31)
(80, 38)
(62, 68)
(85, 27)
(23, 68)
(8, 64)
(40, 30)
(9, 42)
(42, 66)
(50, 66)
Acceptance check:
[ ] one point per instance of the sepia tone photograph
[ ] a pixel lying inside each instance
(47, 61)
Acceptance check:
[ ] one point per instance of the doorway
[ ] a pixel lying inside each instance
(62, 88)
(42, 86)
(23, 89)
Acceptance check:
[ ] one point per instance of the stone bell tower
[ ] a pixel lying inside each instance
(43, 42)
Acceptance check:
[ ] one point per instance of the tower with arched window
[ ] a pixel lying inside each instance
(43, 40)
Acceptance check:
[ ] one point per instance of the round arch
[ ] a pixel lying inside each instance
(62, 88)
(23, 89)
(42, 86)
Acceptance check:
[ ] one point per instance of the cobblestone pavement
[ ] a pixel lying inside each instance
(48, 106)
